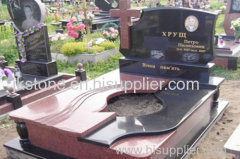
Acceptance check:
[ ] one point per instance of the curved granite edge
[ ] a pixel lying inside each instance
(178, 106)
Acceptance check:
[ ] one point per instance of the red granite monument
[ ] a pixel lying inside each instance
(125, 14)
(76, 123)
(232, 12)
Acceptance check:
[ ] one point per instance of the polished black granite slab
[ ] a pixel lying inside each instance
(173, 34)
(166, 69)
(191, 139)
(33, 151)
(38, 68)
(39, 61)
(37, 46)
(178, 105)
(106, 5)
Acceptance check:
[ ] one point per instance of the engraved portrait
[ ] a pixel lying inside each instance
(191, 23)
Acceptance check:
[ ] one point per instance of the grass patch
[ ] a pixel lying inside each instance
(48, 21)
(4, 13)
(228, 74)
(219, 24)
(216, 4)
(95, 35)
(93, 70)
(6, 123)
(8, 47)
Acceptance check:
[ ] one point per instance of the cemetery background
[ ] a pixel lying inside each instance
(219, 133)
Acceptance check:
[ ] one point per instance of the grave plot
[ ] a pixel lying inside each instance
(81, 22)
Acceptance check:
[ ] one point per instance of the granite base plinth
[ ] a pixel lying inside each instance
(15, 151)
(172, 70)
(37, 68)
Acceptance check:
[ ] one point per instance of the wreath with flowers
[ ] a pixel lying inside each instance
(110, 31)
(20, 36)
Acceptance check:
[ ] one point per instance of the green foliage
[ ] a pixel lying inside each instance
(68, 49)
(74, 48)
(237, 34)
(93, 70)
(6, 32)
(228, 74)
(95, 35)
(6, 120)
(8, 47)
(6, 123)
(80, 47)
(57, 45)
(4, 13)
(216, 4)
(219, 24)
(71, 8)
(235, 25)
(51, 28)
(4, 1)
(95, 49)
(108, 45)
(49, 19)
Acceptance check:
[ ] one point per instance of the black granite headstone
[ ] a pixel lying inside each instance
(38, 68)
(39, 60)
(171, 42)
(184, 35)
(106, 5)
(37, 46)
(235, 6)
(26, 13)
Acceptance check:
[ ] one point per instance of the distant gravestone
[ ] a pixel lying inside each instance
(26, 13)
(106, 5)
(37, 46)
(232, 12)
(235, 6)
